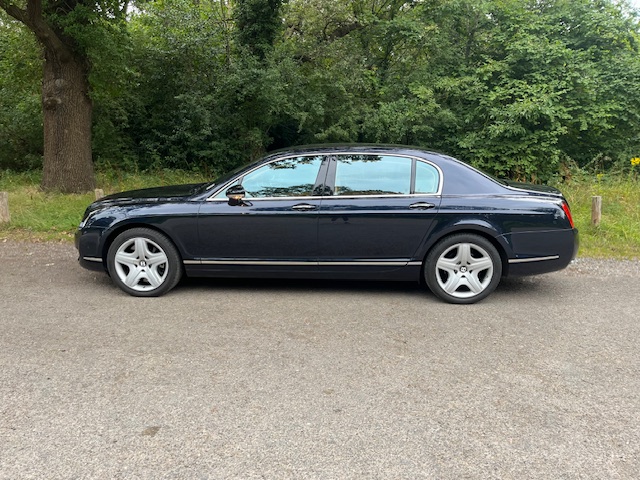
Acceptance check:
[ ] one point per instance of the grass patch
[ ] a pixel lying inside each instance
(40, 216)
(618, 235)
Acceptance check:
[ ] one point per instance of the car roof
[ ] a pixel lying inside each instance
(353, 147)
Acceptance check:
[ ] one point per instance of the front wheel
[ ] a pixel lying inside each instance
(463, 268)
(144, 263)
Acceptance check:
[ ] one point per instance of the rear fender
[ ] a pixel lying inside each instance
(482, 227)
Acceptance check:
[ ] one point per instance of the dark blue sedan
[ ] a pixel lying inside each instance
(339, 211)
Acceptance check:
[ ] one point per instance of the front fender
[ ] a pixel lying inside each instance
(176, 221)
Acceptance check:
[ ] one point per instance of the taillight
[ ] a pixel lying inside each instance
(567, 212)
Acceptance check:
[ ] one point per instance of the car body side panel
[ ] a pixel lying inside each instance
(267, 234)
(542, 251)
(357, 232)
(407, 273)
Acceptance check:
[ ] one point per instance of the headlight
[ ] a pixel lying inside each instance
(88, 217)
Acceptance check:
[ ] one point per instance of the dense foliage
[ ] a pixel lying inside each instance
(523, 88)
(20, 116)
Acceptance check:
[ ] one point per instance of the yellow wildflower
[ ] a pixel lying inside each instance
(635, 161)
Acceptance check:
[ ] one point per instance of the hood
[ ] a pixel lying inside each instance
(168, 193)
(532, 187)
(173, 193)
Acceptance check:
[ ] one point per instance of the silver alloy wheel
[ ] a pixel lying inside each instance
(464, 270)
(141, 264)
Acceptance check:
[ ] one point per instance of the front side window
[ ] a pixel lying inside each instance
(372, 175)
(292, 177)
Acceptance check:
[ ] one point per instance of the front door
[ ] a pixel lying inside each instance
(274, 227)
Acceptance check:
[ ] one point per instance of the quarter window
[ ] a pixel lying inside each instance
(427, 178)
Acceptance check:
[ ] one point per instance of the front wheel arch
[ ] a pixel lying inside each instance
(143, 262)
(113, 232)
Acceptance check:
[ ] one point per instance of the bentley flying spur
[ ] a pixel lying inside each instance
(334, 212)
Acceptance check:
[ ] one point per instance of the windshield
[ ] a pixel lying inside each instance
(225, 177)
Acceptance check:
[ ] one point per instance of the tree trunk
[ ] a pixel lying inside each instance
(67, 108)
(66, 105)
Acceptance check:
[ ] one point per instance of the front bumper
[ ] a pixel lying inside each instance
(89, 255)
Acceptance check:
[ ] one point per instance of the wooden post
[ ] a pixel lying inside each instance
(99, 193)
(596, 210)
(5, 217)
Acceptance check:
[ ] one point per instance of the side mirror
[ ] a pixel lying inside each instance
(235, 194)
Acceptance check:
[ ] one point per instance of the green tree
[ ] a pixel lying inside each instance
(258, 23)
(546, 84)
(520, 88)
(202, 99)
(20, 111)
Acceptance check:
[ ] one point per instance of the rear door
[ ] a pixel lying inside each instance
(380, 210)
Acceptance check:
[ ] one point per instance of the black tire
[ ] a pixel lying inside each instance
(144, 263)
(463, 268)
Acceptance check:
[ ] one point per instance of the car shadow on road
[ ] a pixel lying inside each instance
(513, 287)
(301, 285)
(527, 286)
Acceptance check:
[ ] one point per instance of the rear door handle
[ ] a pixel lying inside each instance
(421, 205)
(304, 207)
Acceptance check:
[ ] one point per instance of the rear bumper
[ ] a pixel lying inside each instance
(542, 252)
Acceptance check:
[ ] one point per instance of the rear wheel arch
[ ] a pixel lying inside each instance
(489, 234)
(463, 267)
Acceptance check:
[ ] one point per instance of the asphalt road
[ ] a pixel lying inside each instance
(316, 380)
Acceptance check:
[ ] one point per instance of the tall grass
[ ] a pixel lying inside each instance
(36, 215)
(618, 234)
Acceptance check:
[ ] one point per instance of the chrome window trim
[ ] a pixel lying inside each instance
(534, 259)
(438, 193)
(259, 199)
(328, 197)
(394, 195)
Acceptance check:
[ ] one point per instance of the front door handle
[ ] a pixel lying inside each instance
(303, 207)
(422, 205)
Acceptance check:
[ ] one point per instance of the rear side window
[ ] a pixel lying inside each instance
(384, 175)
(372, 175)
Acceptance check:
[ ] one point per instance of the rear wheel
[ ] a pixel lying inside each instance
(144, 263)
(463, 268)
